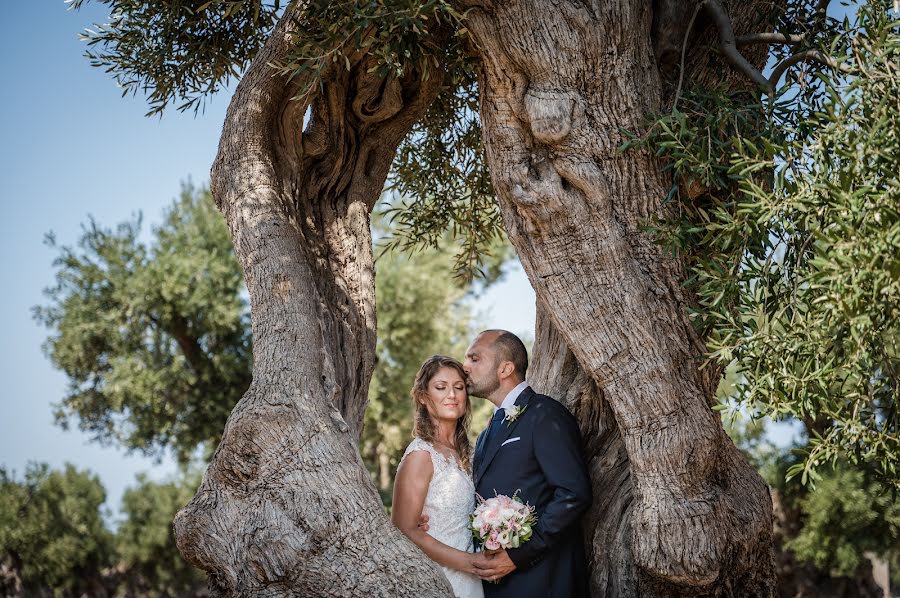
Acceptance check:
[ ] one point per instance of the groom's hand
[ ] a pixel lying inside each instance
(423, 522)
(495, 565)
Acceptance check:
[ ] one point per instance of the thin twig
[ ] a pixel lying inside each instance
(805, 56)
(687, 34)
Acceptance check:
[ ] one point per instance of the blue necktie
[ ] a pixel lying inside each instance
(493, 427)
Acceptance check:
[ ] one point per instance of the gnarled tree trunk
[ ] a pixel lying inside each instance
(286, 507)
(678, 511)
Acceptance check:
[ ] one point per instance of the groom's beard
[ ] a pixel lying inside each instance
(484, 389)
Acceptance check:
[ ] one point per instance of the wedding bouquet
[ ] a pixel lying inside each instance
(502, 522)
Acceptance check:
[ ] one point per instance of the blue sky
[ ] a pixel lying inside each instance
(74, 147)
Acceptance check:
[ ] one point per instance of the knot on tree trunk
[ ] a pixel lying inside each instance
(377, 98)
(551, 113)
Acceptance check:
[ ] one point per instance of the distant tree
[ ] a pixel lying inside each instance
(154, 337)
(845, 517)
(145, 541)
(52, 531)
(825, 533)
(54, 542)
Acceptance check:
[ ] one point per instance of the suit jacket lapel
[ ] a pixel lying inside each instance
(502, 435)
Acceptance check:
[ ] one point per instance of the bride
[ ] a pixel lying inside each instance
(433, 477)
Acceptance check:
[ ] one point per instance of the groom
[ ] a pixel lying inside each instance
(536, 453)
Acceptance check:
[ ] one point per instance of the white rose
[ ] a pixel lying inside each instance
(503, 539)
(507, 514)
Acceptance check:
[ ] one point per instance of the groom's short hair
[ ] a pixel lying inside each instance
(511, 348)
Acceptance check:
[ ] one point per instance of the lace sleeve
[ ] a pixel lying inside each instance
(437, 459)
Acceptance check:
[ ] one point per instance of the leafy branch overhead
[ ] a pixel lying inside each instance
(182, 52)
(398, 36)
(177, 51)
(792, 239)
(440, 170)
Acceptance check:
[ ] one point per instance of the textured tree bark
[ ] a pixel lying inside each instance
(678, 511)
(608, 534)
(286, 507)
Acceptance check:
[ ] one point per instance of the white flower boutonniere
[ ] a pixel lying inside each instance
(512, 413)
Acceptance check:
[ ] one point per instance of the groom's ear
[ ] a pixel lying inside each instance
(507, 369)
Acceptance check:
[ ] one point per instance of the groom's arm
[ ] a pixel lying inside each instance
(557, 448)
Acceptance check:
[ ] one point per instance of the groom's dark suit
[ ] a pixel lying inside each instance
(539, 455)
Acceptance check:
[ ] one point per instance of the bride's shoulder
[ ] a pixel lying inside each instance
(419, 456)
(418, 444)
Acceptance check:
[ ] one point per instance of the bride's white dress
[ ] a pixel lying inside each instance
(448, 504)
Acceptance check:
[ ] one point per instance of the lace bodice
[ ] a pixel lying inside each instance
(448, 504)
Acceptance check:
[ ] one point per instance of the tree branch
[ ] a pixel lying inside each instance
(821, 11)
(729, 43)
(189, 344)
(769, 38)
(805, 56)
(687, 34)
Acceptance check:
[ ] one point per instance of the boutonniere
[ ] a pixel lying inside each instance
(512, 413)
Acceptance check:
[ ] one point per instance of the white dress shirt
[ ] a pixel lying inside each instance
(510, 398)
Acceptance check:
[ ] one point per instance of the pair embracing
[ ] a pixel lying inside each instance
(531, 449)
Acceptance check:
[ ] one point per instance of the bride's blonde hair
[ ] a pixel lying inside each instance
(423, 426)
